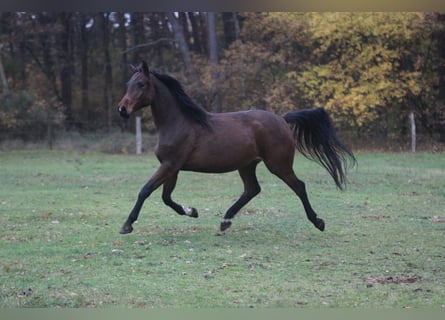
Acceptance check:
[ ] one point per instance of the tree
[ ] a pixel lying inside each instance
(213, 52)
(181, 42)
(231, 28)
(138, 36)
(65, 56)
(370, 70)
(367, 66)
(260, 71)
(197, 43)
(3, 81)
(108, 72)
(122, 35)
(439, 36)
(83, 50)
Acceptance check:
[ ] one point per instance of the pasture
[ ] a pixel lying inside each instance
(60, 213)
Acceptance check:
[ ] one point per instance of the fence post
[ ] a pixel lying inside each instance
(138, 136)
(49, 127)
(413, 132)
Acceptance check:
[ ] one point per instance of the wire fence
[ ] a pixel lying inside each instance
(133, 137)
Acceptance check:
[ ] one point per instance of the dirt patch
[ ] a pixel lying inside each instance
(437, 219)
(370, 282)
(375, 216)
(410, 194)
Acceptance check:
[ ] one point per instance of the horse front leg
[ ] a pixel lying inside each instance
(160, 176)
(168, 188)
(251, 189)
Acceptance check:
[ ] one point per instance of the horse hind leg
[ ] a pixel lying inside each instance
(251, 189)
(168, 187)
(299, 188)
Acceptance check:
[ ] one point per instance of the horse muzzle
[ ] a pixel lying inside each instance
(123, 112)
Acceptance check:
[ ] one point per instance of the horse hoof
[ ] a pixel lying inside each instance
(225, 225)
(320, 224)
(126, 230)
(193, 213)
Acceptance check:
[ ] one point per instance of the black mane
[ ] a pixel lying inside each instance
(189, 108)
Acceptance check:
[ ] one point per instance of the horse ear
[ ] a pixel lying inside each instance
(145, 68)
(133, 69)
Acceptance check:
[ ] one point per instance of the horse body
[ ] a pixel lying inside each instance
(192, 139)
(235, 140)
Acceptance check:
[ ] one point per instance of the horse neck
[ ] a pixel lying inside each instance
(165, 108)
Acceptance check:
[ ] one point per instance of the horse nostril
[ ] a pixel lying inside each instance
(123, 112)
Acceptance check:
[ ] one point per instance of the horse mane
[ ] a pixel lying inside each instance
(188, 107)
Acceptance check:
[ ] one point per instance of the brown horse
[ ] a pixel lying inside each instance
(192, 139)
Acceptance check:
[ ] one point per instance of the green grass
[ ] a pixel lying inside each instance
(60, 212)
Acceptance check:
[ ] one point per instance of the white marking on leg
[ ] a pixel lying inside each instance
(226, 220)
(188, 211)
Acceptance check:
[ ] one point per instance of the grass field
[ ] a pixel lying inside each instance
(60, 213)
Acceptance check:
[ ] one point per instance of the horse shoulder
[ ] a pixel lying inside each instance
(175, 149)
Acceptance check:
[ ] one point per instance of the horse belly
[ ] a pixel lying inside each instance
(226, 154)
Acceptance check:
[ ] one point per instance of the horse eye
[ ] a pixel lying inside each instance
(140, 84)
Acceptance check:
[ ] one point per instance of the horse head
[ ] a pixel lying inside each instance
(140, 91)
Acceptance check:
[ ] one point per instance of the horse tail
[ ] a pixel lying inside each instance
(316, 139)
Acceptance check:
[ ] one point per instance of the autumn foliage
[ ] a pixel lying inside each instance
(369, 70)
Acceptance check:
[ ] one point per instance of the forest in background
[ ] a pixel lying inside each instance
(66, 71)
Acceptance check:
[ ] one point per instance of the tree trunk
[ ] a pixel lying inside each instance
(196, 46)
(4, 82)
(182, 18)
(108, 74)
(229, 28)
(138, 36)
(83, 53)
(237, 25)
(159, 36)
(441, 74)
(213, 52)
(65, 52)
(202, 22)
(181, 42)
(123, 46)
(46, 64)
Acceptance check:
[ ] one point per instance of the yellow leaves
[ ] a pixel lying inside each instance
(8, 120)
(357, 104)
(412, 82)
(292, 75)
(324, 72)
(360, 66)
(280, 98)
(362, 63)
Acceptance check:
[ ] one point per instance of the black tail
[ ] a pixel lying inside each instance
(316, 139)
